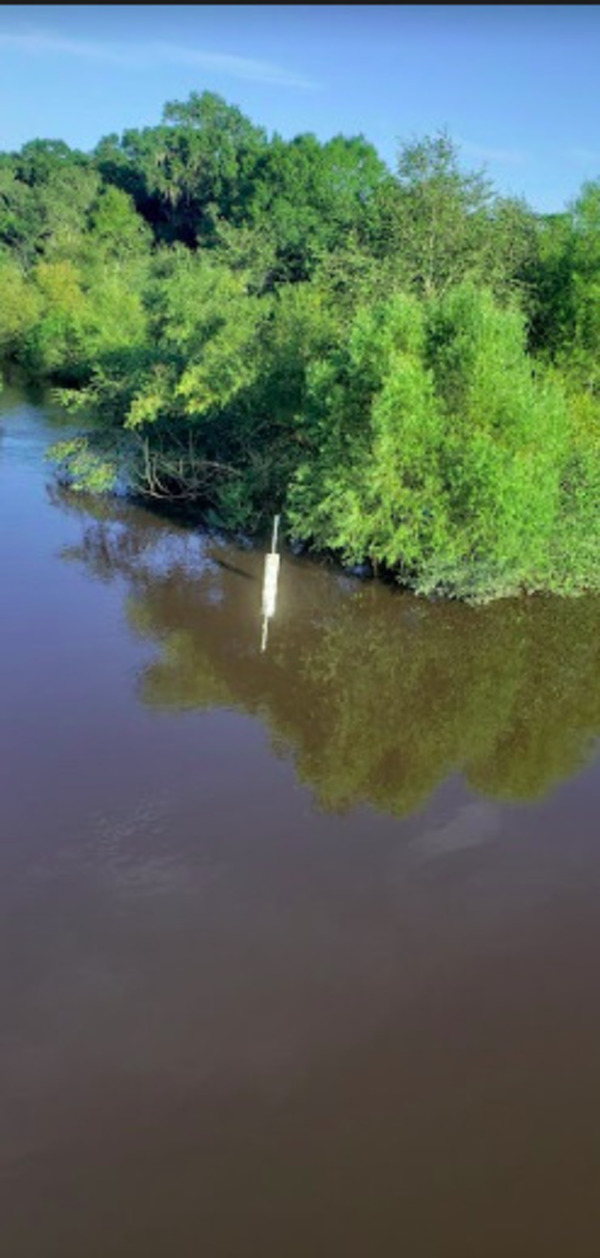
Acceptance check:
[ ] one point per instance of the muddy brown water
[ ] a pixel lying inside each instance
(300, 951)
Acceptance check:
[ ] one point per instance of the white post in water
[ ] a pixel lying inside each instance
(269, 592)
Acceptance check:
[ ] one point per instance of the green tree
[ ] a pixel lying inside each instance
(432, 216)
(434, 450)
(199, 161)
(19, 308)
(313, 195)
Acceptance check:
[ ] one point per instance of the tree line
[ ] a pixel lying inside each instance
(403, 362)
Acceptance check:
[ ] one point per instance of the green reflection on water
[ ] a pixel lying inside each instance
(377, 695)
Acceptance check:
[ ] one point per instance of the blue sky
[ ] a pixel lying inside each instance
(517, 86)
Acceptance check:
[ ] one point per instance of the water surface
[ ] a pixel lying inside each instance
(299, 951)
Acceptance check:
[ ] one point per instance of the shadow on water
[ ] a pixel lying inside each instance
(238, 572)
(377, 695)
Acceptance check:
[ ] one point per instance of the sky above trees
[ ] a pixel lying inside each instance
(514, 85)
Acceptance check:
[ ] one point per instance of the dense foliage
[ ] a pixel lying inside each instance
(403, 363)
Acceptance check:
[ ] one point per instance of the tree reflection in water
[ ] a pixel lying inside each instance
(377, 695)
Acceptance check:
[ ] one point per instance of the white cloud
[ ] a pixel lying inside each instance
(507, 157)
(144, 56)
(474, 824)
(590, 157)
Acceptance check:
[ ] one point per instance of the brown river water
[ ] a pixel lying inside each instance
(300, 950)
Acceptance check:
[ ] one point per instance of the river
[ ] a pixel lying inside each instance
(300, 950)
